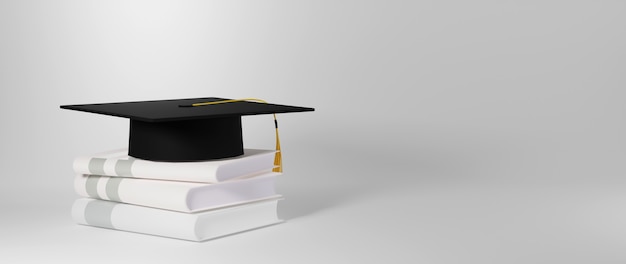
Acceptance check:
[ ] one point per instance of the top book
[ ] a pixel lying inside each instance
(117, 163)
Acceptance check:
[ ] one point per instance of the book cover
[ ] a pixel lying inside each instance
(117, 163)
(198, 226)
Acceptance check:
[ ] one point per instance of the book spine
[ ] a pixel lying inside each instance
(173, 195)
(205, 172)
(133, 218)
(136, 168)
(152, 193)
(194, 226)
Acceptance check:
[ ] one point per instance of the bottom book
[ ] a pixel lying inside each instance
(198, 226)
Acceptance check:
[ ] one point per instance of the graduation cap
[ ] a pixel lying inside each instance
(187, 129)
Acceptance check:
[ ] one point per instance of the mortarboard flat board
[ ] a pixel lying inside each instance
(173, 130)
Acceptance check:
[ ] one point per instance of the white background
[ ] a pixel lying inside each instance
(444, 131)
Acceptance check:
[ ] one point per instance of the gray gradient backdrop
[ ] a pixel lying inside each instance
(445, 131)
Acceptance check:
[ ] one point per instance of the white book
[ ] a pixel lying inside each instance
(177, 196)
(188, 226)
(117, 163)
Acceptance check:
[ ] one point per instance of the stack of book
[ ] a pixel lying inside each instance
(195, 201)
(185, 173)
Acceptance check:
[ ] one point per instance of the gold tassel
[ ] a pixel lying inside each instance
(278, 159)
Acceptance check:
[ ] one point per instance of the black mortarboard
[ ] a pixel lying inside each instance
(186, 129)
